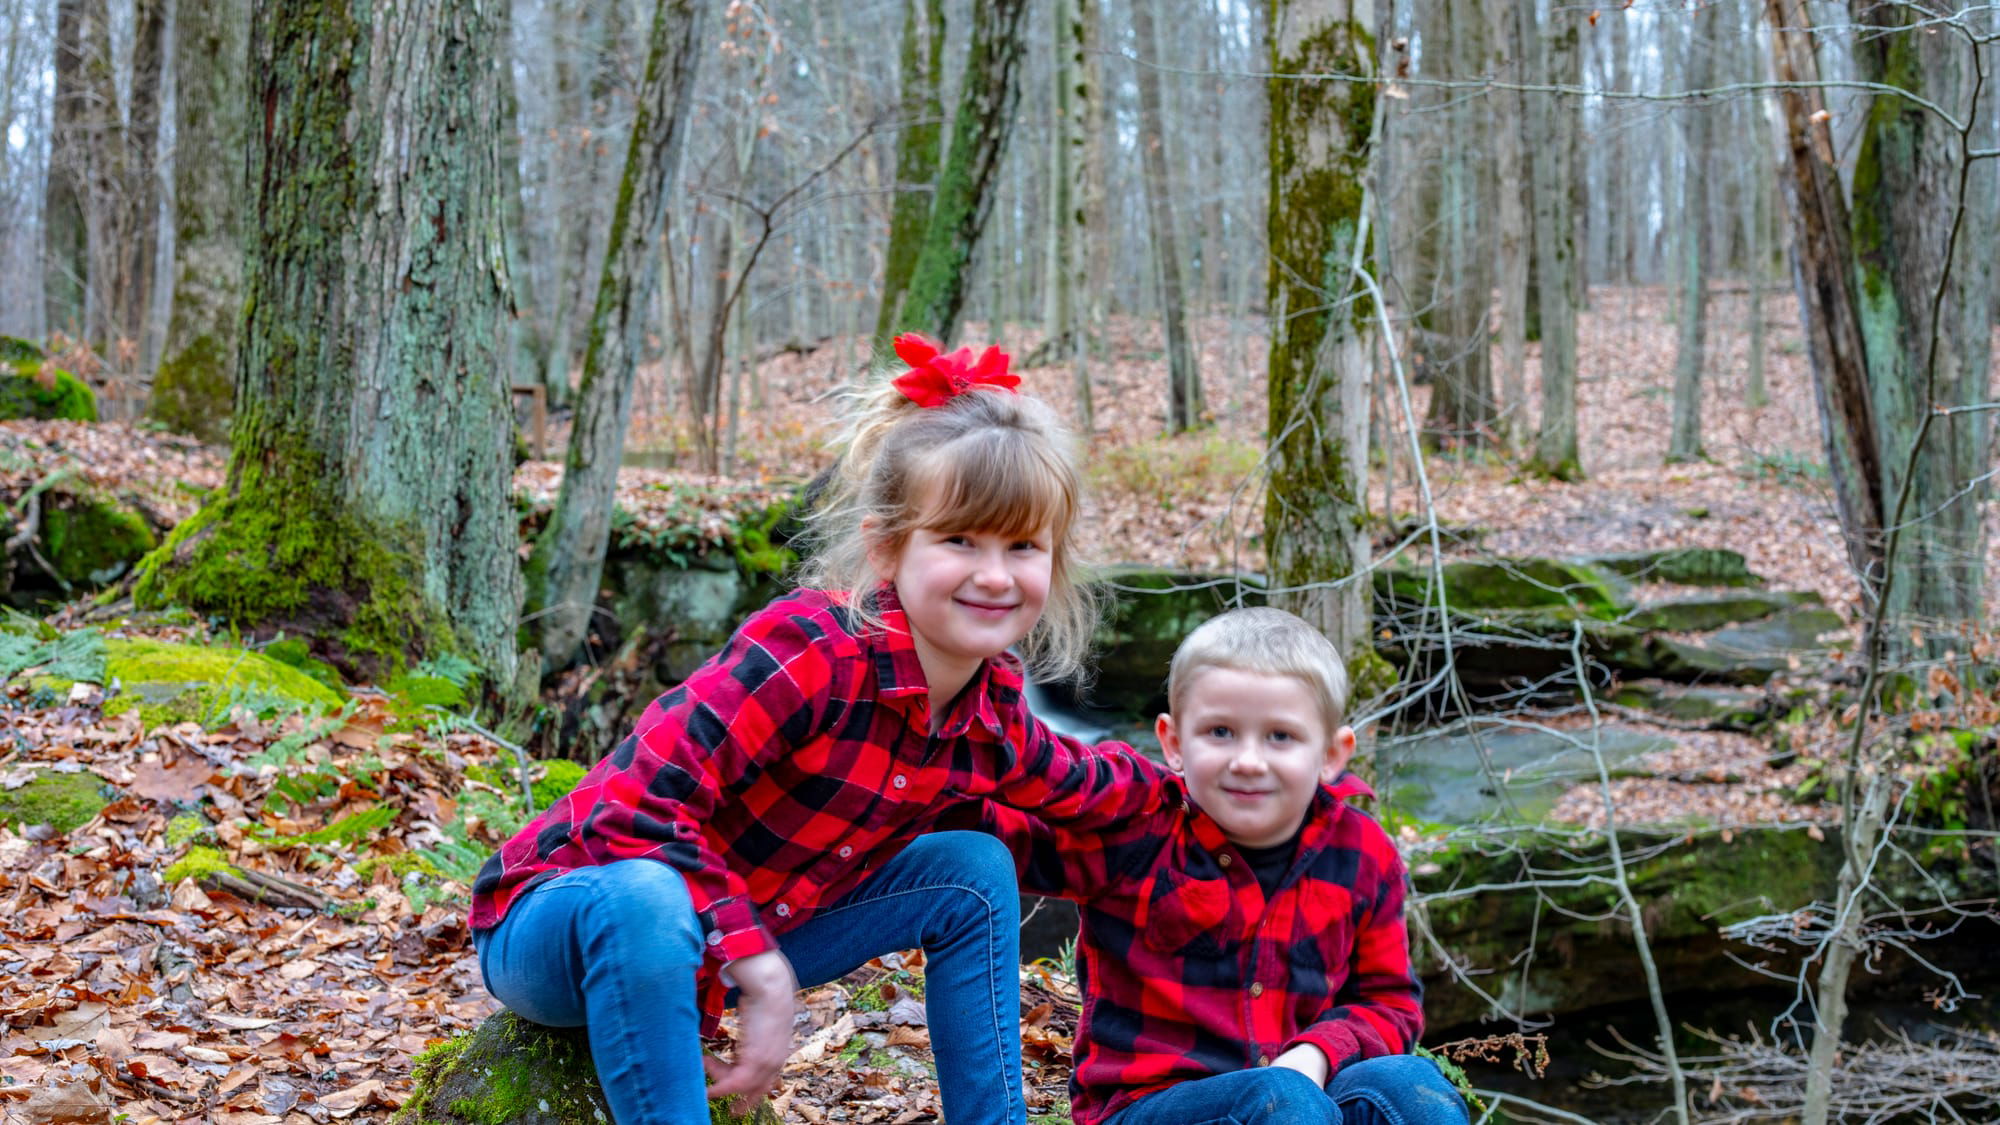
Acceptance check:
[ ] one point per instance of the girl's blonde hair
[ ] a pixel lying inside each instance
(985, 460)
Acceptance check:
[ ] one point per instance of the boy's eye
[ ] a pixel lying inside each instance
(1219, 732)
(1282, 736)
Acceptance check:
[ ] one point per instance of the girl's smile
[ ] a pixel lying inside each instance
(968, 595)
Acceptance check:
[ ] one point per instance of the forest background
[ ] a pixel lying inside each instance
(1614, 383)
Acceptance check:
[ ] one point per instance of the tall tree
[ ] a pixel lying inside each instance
(1461, 405)
(1552, 120)
(1684, 441)
(917, 147)
(1322, 337)
(1896, 294)
(211, 50)
(65, 260)
(1184, 405)
(1512, 239)
(568, 560)
(989, 86)
(366, 501)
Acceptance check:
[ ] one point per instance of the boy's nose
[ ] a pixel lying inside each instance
(1249, 759)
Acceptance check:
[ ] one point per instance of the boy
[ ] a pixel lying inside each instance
(1242, 954)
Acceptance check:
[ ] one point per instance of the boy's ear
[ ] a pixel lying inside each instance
(1170, 741)
(1338, 754)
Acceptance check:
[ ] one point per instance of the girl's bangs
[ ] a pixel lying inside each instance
(996, 486)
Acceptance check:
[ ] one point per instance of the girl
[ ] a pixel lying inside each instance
(765, 825)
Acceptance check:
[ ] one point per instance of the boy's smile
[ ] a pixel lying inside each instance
(1253, 748)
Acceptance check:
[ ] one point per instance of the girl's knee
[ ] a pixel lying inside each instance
(647, 897)
(981, 861)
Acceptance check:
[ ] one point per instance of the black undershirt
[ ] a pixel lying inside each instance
(1270, 864)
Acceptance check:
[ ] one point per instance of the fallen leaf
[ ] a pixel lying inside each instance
(179, 783)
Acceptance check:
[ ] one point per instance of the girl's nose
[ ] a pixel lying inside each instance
(991, 571)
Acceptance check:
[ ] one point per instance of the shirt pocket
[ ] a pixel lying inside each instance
(1322, 947)
(1185, 915)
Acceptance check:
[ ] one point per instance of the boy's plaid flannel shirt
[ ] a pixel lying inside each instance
(1188, 971)
(794, 763)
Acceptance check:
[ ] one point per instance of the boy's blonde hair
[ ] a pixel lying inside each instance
(986, 460)
(1268, 642)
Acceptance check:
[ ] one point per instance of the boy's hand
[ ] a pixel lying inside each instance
(1307, 1060)
(765, 1002)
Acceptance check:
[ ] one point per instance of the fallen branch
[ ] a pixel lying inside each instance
(256, 886)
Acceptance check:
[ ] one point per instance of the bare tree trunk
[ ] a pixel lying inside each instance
(988, 90)
(1184, 400)
(1512, 242)
(1555, 247)
(65, 247)
(1322, 334)
(1461, 406)
(568, 560)
(1684, 442)
(916, 156)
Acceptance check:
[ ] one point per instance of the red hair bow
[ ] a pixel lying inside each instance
(935, 379)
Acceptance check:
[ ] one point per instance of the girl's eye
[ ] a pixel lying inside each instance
(1027, 545)
(957, 540)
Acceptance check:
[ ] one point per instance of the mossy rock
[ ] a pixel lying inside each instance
(90, 538)
(32, 389)
(62, 801)
(172, 683)
(16, 352)
(1689, 885)
(1717, 708)
(194, 391)
(512, 1072)
(1511, 583)
(1699, 613)
(1688, 566)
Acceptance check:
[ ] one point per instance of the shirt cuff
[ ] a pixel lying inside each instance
(1336, 1041)
(733, 931)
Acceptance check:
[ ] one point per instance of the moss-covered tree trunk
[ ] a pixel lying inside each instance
(366, 502)
(1322, 335)
(192, 390)
(1896, 293)
(917, 146)
(1552, 168)
(568, 559)
(1184, 405)
(989, 87)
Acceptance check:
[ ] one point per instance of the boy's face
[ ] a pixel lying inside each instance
(1253, 748)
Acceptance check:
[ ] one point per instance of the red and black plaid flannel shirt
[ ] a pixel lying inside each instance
(794, 763)
(1188, 971)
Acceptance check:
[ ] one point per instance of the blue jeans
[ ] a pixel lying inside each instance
(615, 948)
(1393, 1090)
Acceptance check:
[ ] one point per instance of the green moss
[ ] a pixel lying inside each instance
(295, 652)
(273, 555)
(188, 828)
(417, 692)
(172, 683)
(1369, 676)
(198, 861)
(35, 390)
(63, 801)
(559, 776)
(90, 538)
(16, 353)
(1512, 583)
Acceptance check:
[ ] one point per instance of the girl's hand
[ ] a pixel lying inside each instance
(1307, 1060)
(765, 1002)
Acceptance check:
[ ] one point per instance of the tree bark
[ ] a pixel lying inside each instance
(1461, 406)
(65, 247)
(1684, 441)
(1511, 243)
(568, 560)
(1322, 334)
(366, 502)
(1555, 248)
(989, 88)
(192, 391)
(916, 156)
(1184, 400)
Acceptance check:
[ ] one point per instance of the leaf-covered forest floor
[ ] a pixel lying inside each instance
(123, 992)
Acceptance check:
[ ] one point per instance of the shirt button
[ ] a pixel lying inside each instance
(1257, 989)
(1263, 1060)
(845, 851)
(1223, 859)
(715, 937)
(784, 911)
(901, 782)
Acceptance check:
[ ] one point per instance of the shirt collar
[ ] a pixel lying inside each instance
(899, 674)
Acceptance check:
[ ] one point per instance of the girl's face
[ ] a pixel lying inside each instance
(969, 595)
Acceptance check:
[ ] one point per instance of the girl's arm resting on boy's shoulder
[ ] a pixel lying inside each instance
(1379, 1009)
(762, 695)
(1048, 860)
(1072, 784)
(765, 1004)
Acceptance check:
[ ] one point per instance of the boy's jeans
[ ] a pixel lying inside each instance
(1393, 1090)
(616, 947)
